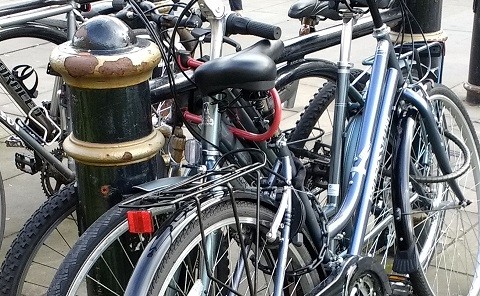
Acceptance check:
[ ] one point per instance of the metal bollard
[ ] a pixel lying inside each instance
(113, 141)
(473, 84)
(428, 27)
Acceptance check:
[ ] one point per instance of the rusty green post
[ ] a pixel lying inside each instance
(113, 141)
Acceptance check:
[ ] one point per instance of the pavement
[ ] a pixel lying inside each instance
(23, 191)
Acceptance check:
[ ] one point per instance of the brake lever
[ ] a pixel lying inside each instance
(205, 35)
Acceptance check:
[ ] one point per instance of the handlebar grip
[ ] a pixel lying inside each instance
(240, 25)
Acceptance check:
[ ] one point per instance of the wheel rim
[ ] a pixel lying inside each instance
(451, 257)
(266, 280)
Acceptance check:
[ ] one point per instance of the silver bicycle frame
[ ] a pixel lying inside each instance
(376, 115)
(215, 13)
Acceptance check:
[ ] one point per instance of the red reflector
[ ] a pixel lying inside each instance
(140, 221)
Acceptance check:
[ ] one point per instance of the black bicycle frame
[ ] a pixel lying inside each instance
(34, 144)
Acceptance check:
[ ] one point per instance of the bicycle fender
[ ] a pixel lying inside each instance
(160, 183)
(156, 249)
(406, 258)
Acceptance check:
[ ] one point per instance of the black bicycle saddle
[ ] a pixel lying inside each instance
(252, 69)
(245, 70)
(271, 48)
(308, 8)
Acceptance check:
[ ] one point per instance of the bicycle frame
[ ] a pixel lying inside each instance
(26, 11)
(211, 121)
(34, 144)
(17, 14)
(386, 88)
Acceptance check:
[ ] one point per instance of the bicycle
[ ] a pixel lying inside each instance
(115, 226)
(23, 30)
(26, 27)
(65, 200)
(188, 252)
(92, 239)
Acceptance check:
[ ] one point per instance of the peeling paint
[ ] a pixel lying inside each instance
(119, 67)
(82, 65)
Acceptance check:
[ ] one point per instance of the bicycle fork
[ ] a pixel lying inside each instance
(284, 214)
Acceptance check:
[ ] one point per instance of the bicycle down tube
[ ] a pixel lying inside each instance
(36, 146)
(384, 83)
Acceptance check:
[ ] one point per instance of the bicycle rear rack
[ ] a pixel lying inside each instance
(190, 188)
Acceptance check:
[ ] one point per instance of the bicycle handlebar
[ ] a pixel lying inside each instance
(236, 24)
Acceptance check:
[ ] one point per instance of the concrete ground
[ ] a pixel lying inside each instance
(23, 191)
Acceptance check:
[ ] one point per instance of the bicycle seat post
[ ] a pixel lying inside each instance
(343, 81)
(214, 11)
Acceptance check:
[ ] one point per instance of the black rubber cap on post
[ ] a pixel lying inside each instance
(104, 33)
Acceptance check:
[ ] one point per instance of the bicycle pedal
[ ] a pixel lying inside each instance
(14, 141)
(400, 285)
(26, 163)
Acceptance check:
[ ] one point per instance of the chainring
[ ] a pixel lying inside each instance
(51, 180)
(367, 278)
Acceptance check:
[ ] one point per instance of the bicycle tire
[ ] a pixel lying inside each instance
(96, 242)
(53, 32)
(312, 112)
(34, 234)
(443, 271)
(217, 218)
(2, 210)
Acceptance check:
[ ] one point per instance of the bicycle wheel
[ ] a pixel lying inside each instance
(108, 246)
(446, 233)
(40, 246)
(181, 266)
(2, 209)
